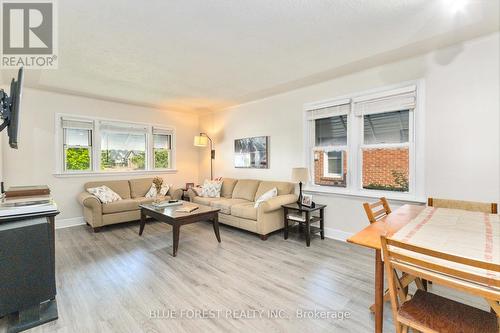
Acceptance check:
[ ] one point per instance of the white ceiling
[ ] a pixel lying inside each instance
(199, 55)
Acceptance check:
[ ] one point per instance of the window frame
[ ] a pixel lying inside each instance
(311, 146)
(410, 145)
(123, 130)
(60, 169)
(355, 144)
(89, 148)
(167, 131)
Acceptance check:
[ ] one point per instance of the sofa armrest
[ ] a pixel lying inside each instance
(175, 193)
(90, 201)
(92, 209)
(276, 202)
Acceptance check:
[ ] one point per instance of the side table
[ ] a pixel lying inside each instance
(307, 220)
(185, 196)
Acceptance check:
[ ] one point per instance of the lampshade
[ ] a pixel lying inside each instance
(200, 141)
(300, 175)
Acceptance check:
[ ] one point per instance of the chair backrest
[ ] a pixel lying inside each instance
(377, 210)
(465, 274)
(484, 207)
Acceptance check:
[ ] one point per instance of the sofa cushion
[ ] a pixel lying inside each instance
(245, 210)
(282, 187)
(120, 206)
(225, 204)
(245, 189)
(121, 187)
(139, 187)
(228, 187)
(204, 201)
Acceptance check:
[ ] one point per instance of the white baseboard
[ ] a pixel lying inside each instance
(337, 234)
(75, 221)
(71, 222)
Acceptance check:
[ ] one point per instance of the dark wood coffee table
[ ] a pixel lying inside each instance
(170, 216)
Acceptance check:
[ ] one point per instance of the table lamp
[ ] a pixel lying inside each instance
(300, 175)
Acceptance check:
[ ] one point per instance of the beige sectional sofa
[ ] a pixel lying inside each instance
(237, 202)
(132, 192)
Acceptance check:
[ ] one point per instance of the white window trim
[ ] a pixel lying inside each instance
(354, 179)
(172, 147)
(88, 147)
(59, 168)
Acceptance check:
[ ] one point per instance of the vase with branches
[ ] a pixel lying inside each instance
(157, 182)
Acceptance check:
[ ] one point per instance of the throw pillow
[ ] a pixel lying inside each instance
(266, 196)
(211, 189)
(198, 190)
(152, 191)
(104, 194)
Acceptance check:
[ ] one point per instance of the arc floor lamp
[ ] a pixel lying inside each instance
(202, 141)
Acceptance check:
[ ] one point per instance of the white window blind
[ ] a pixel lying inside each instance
(122, 127)
(77, 124)
(161, 131)
(392, 100)
(338, 108)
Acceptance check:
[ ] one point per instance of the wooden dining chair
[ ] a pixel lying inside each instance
(375, 212)
(490, 208)
(428, 312)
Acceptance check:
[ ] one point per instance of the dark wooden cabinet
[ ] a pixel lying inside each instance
(27, 274)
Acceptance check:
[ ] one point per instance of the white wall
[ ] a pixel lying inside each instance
(34, 161)
(461, 127)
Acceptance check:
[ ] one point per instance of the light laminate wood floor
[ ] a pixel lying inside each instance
(116, 281)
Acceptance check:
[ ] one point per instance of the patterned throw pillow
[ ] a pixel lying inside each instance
(152, 191)
(211, 189)
(104, 194)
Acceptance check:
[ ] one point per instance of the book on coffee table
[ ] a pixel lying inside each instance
(165, 204)
(187, 208)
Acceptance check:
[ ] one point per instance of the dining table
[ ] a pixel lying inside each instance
(463, 233)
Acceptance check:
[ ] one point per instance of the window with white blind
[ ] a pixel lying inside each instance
(329, 128)
(162, 148)
(368, 143)
(104, 146)
(77, 144)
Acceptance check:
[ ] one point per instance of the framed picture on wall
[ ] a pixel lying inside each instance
(252, 152)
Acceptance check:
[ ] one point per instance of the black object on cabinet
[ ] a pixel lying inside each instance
(27, 274)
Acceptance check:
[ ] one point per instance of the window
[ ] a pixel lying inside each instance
(334, 167)
(364, 144)
(385, 151)
(123, 148)
(330, 144)
(92, 145)
(162, 148)
(77, 145)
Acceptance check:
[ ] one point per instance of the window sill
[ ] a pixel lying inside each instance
(342, 192)
(111, 173)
